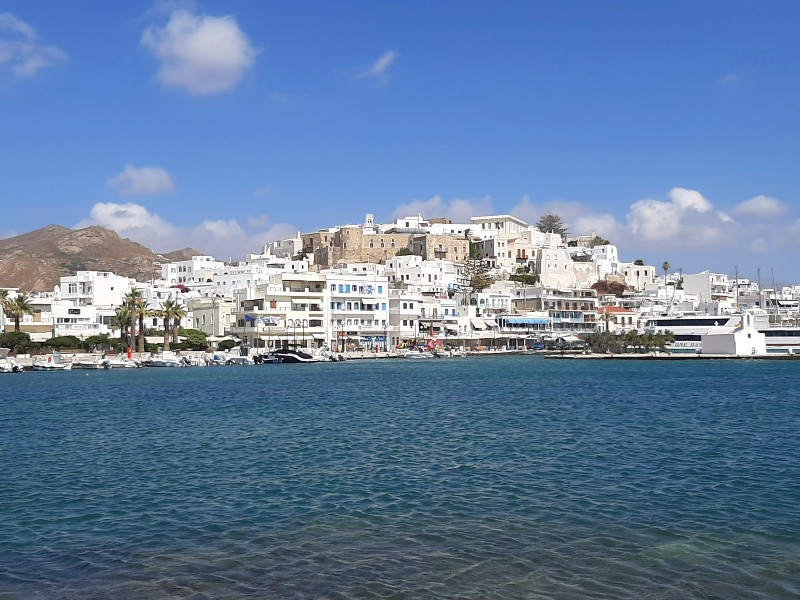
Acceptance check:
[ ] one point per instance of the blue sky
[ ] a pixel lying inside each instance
(670, 128)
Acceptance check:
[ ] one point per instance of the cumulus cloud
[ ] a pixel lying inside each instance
(379, 69)
(128, 219)
(457, 210)
(200, 53)
(687, 216)
(223, 238)
(21, 51)
(761, 206)
(144, 181)
(579, 218)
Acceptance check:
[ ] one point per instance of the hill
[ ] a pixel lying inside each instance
(35, 261)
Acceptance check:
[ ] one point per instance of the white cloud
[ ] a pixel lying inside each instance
(688, 217)
(144, 181)
(730, 79)
(579, 218)
(130, 220)
(457, 210)
(200, 53)
(378, 69)
(223, 238)
(761, 206)
(21, 50)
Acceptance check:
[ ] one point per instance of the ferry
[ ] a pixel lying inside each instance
(688, 328)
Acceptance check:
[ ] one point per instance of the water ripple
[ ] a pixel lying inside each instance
(497, 478)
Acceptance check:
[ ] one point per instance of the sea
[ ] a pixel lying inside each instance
(482, 477)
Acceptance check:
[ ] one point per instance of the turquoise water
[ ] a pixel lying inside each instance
(513, 477)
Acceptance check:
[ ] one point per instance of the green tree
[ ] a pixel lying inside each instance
(172, 313)
(598, 241)
(666, 266)
(122, 321)
(4, 303)
(195, 339)
(18, 308)
(404, 251)
(475, 273)
(523, 275)
(63, 342)
(14, 340)
(638, 262)
(136, 303)
(551, 223)
(99, 341)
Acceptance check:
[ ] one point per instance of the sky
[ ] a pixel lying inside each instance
(671, 129)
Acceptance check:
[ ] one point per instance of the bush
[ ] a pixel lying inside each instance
(13, 339)
(226, 345)
(64, 341)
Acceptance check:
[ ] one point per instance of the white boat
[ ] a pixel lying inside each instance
(93, 362)
(50, 362)
(167, 358)
(239, 360)
(417, 353)
(122, 362)
(8, 365)
(688, 330)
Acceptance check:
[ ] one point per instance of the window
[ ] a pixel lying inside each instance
(380, 289)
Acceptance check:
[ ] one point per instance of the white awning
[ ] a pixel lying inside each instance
(478, 323)
(490, 322)
(318, 336)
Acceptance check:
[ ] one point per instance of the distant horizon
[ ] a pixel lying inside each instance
(669, 129)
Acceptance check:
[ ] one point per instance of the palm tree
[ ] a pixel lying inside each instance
(666, 266)
(3, 307)
(177, 315)
(171, 312)
(19, 307)
(122, 320)
(134, 300)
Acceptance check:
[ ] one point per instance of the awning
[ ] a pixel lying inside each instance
(478, 323)
(490, 322)
(526, 321)
(318, 336)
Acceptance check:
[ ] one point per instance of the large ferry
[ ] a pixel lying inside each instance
(688, 329)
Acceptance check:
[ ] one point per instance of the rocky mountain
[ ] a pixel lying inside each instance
(34, 261)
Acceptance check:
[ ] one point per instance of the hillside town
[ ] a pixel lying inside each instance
(493, 282)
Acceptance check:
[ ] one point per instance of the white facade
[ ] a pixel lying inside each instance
(96, 288)
(638, 276)
(200, 269)
(423, 276)
(743, 340)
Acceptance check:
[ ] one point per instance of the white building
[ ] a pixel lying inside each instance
(101, 289)
(423, 276)
(200, 269)
(738, 340)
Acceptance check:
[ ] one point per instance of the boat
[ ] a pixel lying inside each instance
(266, 359)
(50, 362)
(294, 355)
(92, 362)
(689, 328)
(167, 358)
(417, 353)
(239, 360)
(8, 365)
(122, 362)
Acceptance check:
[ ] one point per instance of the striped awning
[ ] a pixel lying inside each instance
(526, 321)
(478, 323)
